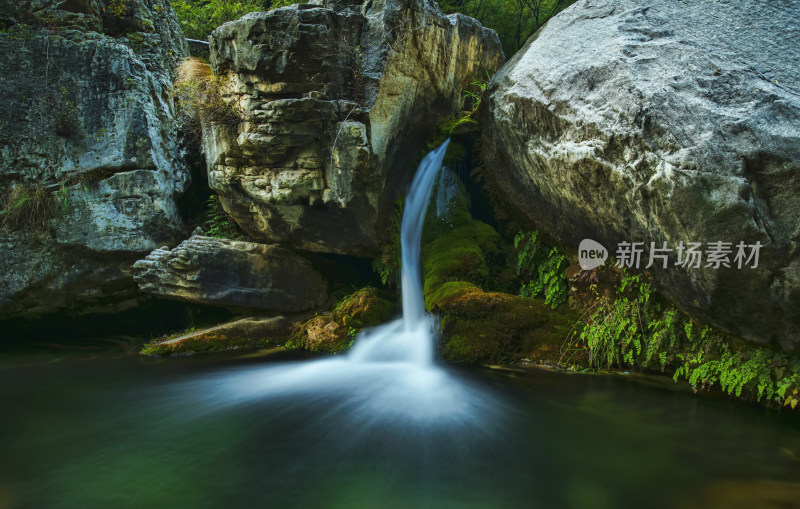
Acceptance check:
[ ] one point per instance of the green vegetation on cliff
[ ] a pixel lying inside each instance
(513, 20)
(544, 267)
(614, 320)
(467, 270)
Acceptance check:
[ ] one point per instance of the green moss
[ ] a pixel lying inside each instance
(451, 260)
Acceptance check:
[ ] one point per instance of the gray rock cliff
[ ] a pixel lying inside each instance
(90, 168)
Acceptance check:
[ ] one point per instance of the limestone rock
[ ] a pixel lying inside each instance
(232, 273)
(88, 129)
(333, 100)
(664, 122)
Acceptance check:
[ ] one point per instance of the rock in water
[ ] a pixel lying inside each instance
(334, 100)
(232, 273)
(663, 121)
(89, 162)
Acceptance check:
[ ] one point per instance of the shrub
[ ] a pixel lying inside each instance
(199, 18)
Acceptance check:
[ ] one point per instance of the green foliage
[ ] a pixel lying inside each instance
(118, 8)
(199, 18)
(17, 32)
(62, 198)
(476, 90)
(635, 330)
(545, 268)
(218, 223)
(137, 41)
(513, 20)
(474, 95)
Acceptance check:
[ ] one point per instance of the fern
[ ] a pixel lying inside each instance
(546, 268)
(634, 330)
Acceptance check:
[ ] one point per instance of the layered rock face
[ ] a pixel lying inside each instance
(662, 122)
(232, 273)
(333, 99)
(89, 162)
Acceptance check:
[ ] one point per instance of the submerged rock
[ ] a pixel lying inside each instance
(333, 101)
(664, 122)
(89, 161)
(233, 274)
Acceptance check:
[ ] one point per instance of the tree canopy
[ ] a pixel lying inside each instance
(513, 20)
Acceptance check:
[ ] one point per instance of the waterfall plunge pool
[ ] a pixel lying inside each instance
(382, 427)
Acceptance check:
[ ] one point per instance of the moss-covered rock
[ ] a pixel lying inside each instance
(463, 259)
(335, 332)
(246, 333)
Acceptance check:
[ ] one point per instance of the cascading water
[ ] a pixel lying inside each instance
(408, 339)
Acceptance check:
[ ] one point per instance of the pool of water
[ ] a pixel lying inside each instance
(94, 426)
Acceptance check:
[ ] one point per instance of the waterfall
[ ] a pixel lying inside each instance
(389, 374)
(410, 338)
(411, 235)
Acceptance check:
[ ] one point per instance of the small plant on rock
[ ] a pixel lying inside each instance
(218, 223)
(27, 207)
(65, 114)
(200, 95)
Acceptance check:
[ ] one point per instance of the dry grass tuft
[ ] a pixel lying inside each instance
(27, 207)
(200, 95)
